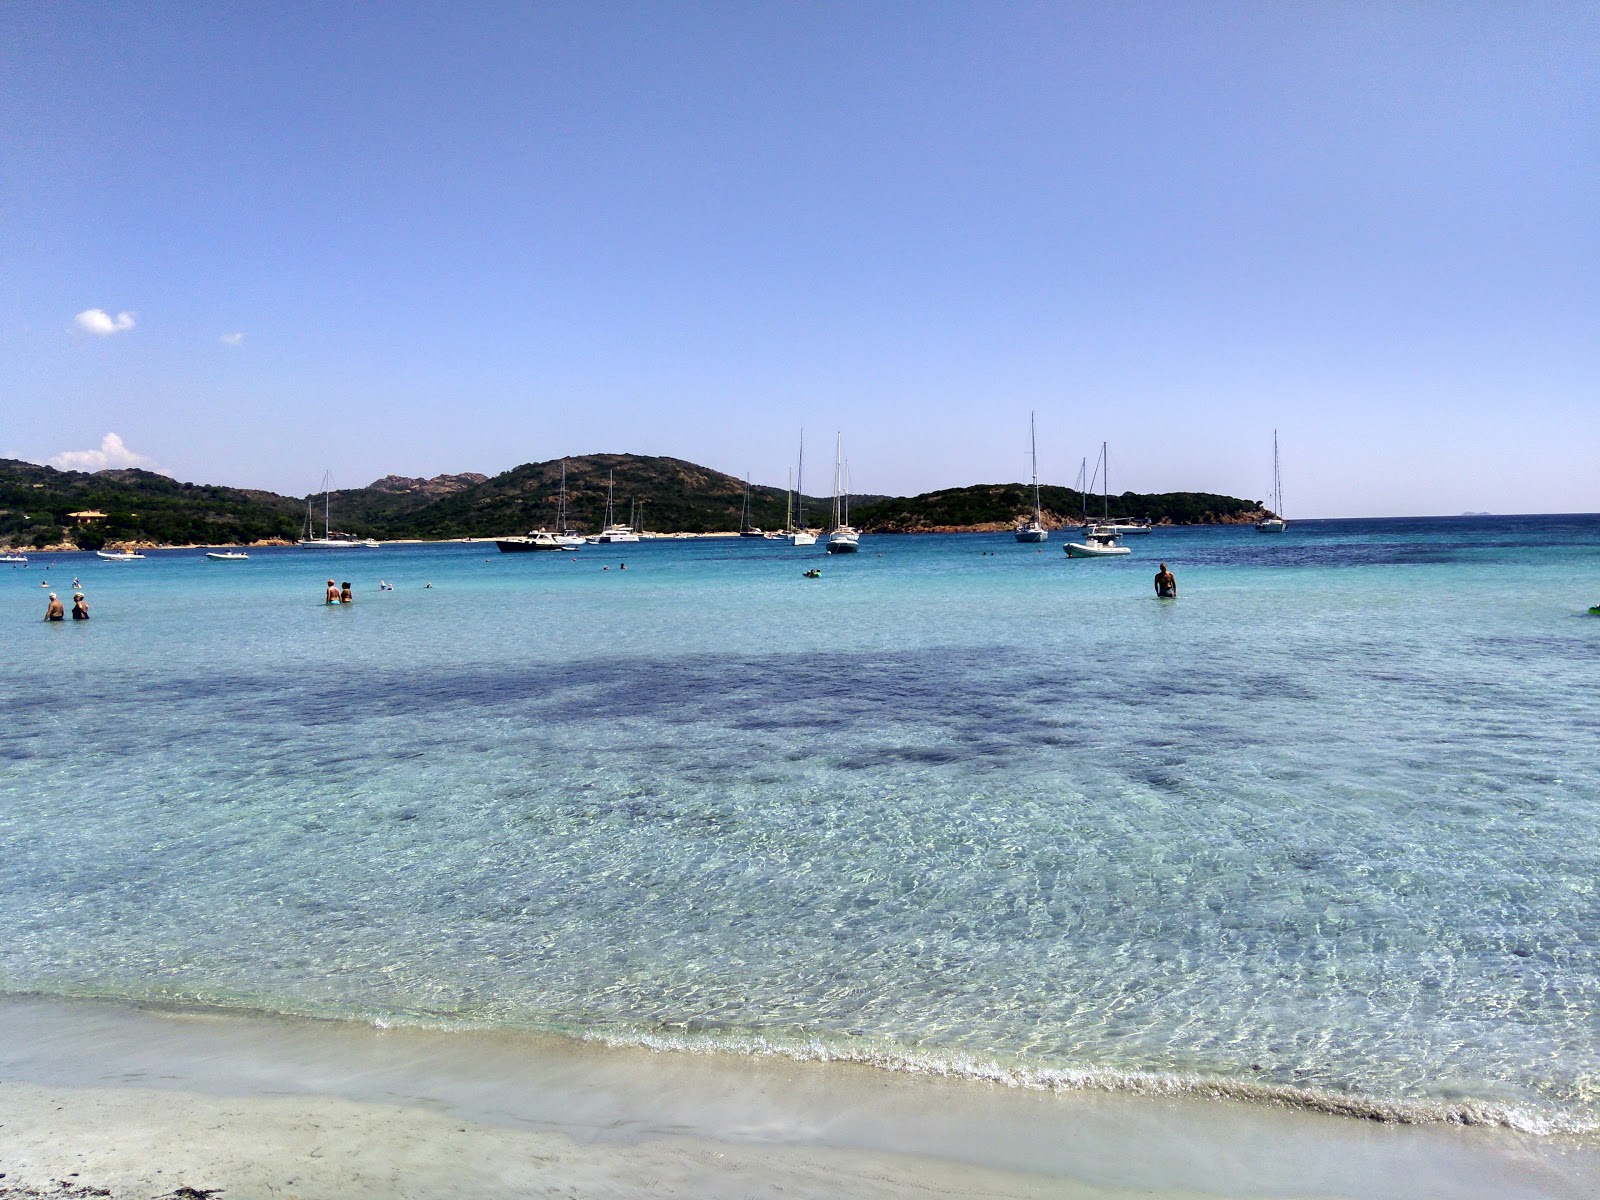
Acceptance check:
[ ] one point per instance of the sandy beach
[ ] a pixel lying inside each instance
(143, 1103)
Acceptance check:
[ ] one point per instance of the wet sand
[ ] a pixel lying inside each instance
(145, 1102)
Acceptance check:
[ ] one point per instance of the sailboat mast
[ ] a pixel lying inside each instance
(1277, 479)
(327, 489)
(1033, 439)
(800, 479)
(788, 501)
(1105, 481)
(838, 445)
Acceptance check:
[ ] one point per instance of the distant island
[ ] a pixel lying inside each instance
(43, 508)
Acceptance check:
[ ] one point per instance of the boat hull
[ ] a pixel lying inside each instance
(1080, 550)
(802, 539)
(215, 557)
(525, 545)
(1033, 535)
(1271, 525)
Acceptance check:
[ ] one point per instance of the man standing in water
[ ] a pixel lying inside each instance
(333, 592)
(1166, 584)
(53, 611)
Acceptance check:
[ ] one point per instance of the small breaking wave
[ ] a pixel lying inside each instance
(1518, 1118)
(946, 1064)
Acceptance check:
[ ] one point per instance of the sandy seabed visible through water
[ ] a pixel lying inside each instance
(102, 1098)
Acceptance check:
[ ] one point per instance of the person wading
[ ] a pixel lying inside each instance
(1166, 583)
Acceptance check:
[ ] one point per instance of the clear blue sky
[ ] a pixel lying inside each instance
(461, 237)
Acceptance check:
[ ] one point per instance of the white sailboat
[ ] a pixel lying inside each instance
(843, 539)
(799, 534)
(1275, 523)
(613, 533)
(745, 528)
(327, 541)
(1101, 540)
(1034, 530)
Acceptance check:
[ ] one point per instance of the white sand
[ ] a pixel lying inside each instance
(144, 1102)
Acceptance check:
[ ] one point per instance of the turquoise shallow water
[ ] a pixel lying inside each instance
(1324, 828)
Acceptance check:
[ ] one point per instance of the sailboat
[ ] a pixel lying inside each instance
(1275, 523)
(745, 528)
(613, 533)
(327, 541)
(543, 539)
(1101, 540)
(799, 534)
(843, 539)
(1034, 530)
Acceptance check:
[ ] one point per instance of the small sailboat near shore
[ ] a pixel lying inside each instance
(1274, 523)
(799, 533)
(1034, 530)
(843, 539)
(327, 541)
(614, 533)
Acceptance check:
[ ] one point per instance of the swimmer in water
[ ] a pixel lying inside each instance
(346, 596)
(1166, 584)
(80, 607)
(332, 595)
(53, 611)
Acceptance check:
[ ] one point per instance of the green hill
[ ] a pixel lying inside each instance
(36, 504)
(995, 506)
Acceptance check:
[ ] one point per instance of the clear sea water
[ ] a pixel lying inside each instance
(1325, 829)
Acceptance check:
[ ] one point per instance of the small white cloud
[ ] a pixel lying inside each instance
(101, 323)
(233, 339)
(112, 453)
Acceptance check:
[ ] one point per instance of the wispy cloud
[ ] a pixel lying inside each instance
(233, 339)
(111, 453)
(102, 324)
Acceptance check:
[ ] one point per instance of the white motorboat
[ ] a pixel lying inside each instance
(226, 555)
(843, 539)
(119, 555)
(799, 535)
(20, 560)
(1034, 530)
(327, 541)
(1274, 523)
(1099, 542)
